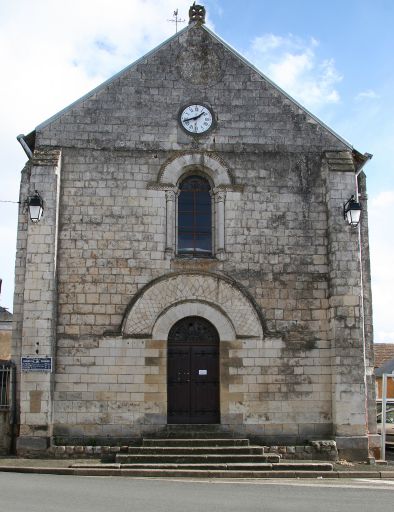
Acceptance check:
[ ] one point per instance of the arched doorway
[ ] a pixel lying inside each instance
(193, 372)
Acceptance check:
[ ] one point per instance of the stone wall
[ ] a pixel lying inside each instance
(138, 108)
(272, 389)
(320, 450)
(282, 288)
(117, 388)
(113, 237)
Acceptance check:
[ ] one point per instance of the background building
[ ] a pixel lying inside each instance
(384, 363)
(5, 334)
(6, 378)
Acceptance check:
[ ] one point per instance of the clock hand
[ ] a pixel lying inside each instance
(194, 118)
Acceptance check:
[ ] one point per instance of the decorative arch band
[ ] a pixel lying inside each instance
(193, 293)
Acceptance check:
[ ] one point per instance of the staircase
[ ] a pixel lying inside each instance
(197, 454)
(200, 457)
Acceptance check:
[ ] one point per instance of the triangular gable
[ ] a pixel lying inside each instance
(275, 86)
(105, 84)
(31, 137)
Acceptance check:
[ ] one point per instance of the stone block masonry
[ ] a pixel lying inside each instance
(100, 283)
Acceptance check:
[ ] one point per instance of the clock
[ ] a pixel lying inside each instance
(196, 119)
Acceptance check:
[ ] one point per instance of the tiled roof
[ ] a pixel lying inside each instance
(383, 352)
(5, 316)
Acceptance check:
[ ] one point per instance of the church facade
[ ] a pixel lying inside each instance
(192, 265)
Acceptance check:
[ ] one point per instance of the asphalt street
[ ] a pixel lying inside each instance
(51, 493)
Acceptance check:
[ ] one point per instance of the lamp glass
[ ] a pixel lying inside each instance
(353, 216)
(36, 207)
(35, 212)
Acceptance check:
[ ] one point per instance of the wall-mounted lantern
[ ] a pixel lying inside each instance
(35, 204)
(352, 212)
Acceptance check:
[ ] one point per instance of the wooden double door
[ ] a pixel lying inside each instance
(193, 372)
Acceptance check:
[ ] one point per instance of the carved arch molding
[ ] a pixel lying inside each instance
(222, 181)
(170, 298)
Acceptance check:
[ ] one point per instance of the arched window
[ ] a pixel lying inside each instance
(195, 217)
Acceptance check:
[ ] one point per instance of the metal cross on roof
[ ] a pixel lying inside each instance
(176, 20)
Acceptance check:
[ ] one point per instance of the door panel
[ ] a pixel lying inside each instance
(179, 382)
(193, 372)
(204, 384)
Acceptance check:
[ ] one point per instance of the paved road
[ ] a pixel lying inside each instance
(51, 493)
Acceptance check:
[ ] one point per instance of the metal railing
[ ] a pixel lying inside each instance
(7, 378)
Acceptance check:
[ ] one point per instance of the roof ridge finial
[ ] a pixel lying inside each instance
(197, 13)
(176, 19)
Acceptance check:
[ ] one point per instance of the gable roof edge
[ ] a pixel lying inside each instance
(159, 47)
(110, 80)
(273, 84)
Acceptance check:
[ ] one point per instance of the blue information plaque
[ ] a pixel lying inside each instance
(36, 364)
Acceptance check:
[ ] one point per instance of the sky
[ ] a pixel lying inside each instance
(335, 58)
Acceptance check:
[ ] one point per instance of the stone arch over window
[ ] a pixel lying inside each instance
(169, 298)
(220, 177)
(212, 165)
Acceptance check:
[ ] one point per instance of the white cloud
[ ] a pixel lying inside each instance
(54, 52)
(367, 95)
(7, 256)
(51, 54)
(292, 63)
(384, 337)
(381, 216)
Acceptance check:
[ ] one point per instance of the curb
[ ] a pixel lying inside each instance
(160, 473)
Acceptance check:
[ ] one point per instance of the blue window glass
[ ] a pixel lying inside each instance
(195, 217)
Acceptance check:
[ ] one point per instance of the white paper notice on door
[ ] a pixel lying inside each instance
(202, 372)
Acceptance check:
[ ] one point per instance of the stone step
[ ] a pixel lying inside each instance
(302, 466)
(195, 450)
(187, 459)
(195, 473)
(218, 466)
(193, 431)
(195, 442)
(207, 470)
(297, 466)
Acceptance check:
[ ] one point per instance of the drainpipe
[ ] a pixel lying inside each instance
(367, 157)
(21, 139)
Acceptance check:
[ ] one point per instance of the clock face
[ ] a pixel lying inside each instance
(196, 118)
